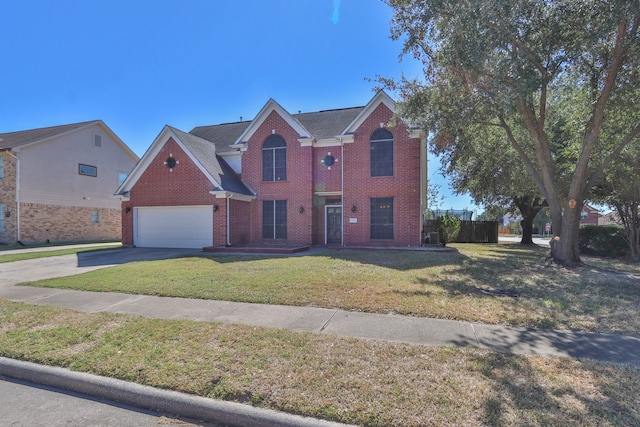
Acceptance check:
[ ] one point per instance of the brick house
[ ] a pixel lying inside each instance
(337, 177)
(589, 215)
(57, 183)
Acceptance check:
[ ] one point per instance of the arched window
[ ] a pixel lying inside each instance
(381, 153)
(274, 159)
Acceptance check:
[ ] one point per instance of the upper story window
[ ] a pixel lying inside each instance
(1, 167)
(381, 153)
(274, 159)
(87, 170)
(121, 177)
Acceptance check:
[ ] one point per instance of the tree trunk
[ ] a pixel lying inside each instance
(527, 232)
(564, 248)
(529, 206)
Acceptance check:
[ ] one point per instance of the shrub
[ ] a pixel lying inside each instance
(448, 228)
(604, 241)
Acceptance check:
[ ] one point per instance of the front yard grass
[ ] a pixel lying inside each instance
(21, 256)
(494, 284)
(364, 382)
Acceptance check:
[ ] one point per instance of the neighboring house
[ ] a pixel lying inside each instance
(589, 215)
(335, 177)
(611, 218)
(57, 183)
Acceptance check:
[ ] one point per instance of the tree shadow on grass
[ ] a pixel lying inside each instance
(545, 395)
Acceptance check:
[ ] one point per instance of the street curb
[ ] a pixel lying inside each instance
(150, 398)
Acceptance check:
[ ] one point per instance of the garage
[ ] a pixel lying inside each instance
(173, 226)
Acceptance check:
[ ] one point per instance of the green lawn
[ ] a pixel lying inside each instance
(49, 253)
(495, 284)
(364, 382)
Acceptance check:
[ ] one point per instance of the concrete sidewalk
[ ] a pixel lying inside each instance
(600, 347)
(387, 327)
(415, 330)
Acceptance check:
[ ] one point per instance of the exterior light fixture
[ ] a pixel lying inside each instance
(127, 209)
(215, 208)
(301, 209)
(353, 208)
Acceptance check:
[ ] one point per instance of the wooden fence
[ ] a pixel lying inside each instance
(470, 231)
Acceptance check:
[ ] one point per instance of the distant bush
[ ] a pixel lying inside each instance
(604, 241)
(448, 227)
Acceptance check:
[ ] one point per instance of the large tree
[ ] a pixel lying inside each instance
(519, 66)
(489, 171)
(620, 189)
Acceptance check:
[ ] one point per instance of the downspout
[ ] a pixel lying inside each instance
(423, 183)
(228, 219)
(17, 195)
(341, 189)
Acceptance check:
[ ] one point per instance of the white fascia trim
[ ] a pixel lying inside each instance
(307, 142)
(230, 195)
(379, 98)
(328, 193)
(270, 106)
(241, 146)
(417, 133)
(152, 152)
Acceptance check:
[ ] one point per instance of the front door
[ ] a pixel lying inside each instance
(334, 225)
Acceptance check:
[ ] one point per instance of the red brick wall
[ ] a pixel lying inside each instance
(186, 185)
(323, 178)
(240, 222)
(297, 189)
(404, 186)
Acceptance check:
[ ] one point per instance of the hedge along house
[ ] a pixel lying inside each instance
(342, 177)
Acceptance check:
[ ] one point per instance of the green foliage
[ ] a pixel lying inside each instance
(603, 241)
(549, 88)
(448, 228)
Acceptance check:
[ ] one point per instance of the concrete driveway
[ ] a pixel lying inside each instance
(69, 265)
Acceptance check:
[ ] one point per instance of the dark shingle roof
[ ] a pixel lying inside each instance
(328, 123)
(24, 137)
(321, 125)
(205, 152)
(222, 135)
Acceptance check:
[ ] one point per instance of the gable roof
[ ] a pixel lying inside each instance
(201, 152)
(205, 153)
(270, 106)
(328, 123)
(19, 139)
(222, 135)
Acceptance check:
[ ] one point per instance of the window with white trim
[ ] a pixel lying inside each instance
(95, 217)
(274, 159)
(381, 153)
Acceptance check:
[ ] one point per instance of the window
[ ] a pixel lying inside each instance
(381, 218)
(274, 159)
(87, 170)
(95, 217)
(274, 219)
(1, 167)
(97, 140)
(121, 177)
(381, 153)
(2, 217)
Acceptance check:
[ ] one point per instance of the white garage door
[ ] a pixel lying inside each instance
(173, 227)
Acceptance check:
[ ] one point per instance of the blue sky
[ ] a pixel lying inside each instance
(140, 64)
